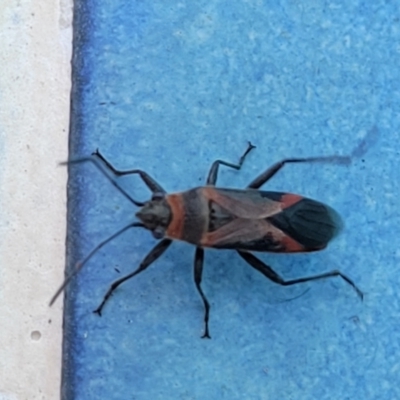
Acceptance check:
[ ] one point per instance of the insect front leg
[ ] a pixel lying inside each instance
(108, 170)
(154, 186)
(213, 174)
(273, 276)
(198, 271)
(156, 252)
(271, 171)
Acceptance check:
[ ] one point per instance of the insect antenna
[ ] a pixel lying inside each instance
(80, 264)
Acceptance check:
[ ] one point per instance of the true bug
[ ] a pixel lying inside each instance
(242, 220)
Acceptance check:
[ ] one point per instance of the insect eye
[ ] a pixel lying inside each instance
(157, 196)
(158, 233)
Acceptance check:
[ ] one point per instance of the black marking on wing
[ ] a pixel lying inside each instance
(309, 222)
(218, 217)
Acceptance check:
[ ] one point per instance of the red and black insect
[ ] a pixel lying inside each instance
(242, 220)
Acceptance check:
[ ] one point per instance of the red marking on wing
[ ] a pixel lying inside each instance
(246, 204)
(175, 227)
(291, 246)
(241, 231)
(288, 199)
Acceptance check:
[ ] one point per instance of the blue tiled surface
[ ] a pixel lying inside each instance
(171, 86)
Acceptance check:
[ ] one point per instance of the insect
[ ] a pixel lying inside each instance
(242, 220)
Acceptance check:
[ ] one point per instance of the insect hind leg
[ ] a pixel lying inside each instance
(273, 276)
(271, 171)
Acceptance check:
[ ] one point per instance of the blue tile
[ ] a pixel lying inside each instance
(169, 88)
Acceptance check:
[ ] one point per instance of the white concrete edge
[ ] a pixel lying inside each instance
(35, 53)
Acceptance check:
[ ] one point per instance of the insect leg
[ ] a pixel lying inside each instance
(271, 171)
(273, 276)
(212, 175)
(156, 252)
(147, 179)
(100, 167)
(198, 271)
